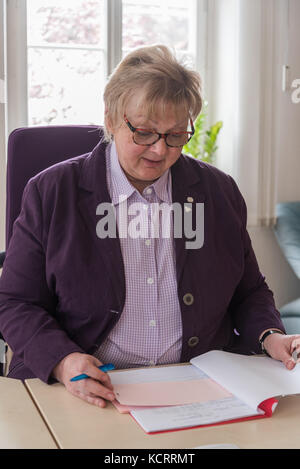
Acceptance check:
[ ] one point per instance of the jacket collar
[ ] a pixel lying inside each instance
(92, 176)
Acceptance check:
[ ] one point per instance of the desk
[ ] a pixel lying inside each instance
(21, 426)
(77, 424)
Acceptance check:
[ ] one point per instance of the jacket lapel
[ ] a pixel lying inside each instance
(187, 190)
(93, 191)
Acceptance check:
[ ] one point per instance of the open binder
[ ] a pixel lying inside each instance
(214, 388)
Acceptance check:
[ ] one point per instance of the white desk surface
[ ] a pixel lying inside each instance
(21, 425)
(77, 424)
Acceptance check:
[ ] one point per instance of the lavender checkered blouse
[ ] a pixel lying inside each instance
(149, 330)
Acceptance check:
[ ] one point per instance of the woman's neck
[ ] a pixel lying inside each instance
(137, 183)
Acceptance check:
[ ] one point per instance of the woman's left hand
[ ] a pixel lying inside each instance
(281, 347)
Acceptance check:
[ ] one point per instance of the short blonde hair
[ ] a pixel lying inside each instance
(163, 79)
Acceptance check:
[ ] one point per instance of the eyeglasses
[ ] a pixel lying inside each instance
(148, 137)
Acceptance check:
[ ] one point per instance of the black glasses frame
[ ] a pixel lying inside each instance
(159, 136)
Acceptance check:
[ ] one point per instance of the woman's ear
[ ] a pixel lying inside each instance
(108, 125)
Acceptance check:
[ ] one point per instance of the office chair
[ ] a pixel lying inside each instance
(31, 150)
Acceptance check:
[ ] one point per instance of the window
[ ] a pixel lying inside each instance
(66, 61)
(73, 45)
(170, 22)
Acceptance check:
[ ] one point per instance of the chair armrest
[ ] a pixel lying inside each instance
(2, 257)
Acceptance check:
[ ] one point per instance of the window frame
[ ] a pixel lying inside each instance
(17, 83)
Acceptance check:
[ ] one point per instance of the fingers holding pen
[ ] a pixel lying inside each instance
(295, 349)
(97, 374)
(92, 391)
(285, 348)
(95, 388)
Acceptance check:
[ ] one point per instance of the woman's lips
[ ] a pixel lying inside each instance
(152, 162)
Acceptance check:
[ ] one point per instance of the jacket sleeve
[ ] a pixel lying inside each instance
(27, 302)
(252, 306)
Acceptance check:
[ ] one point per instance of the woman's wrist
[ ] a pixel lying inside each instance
(267, 333)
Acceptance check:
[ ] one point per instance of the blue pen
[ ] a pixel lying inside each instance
(105, 368)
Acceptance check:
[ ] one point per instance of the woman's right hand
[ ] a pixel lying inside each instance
(96, 389)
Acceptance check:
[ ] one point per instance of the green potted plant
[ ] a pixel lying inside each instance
(203, 145)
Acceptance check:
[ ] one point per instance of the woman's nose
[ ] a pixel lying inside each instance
(160, 147)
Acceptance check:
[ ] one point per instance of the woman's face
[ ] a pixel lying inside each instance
(144, 164)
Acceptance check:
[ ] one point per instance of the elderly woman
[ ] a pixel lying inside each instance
(72, 297)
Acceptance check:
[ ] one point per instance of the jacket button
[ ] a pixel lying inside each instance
(188, 299)
(193, 341)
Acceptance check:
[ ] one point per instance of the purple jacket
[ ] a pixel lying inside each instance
(63, 288)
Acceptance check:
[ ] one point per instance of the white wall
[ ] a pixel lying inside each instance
(288, 114)
(284, 130)
(260, 141)
(2, 125)
(261, 124)
(241, 70)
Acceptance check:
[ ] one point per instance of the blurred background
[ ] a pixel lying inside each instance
(56, 55)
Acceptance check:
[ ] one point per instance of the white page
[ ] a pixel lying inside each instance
(148, 375)
(191, 415)
(251, 378)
